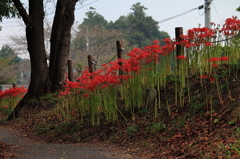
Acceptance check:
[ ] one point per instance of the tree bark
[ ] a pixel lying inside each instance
(44, 79)
(39, 84)
(60, 42)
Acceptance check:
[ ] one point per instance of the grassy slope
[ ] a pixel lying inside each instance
(190, 131)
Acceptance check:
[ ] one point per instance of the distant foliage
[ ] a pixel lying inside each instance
(8, 10)
(139, 29)
(238, 9)
(8, 65)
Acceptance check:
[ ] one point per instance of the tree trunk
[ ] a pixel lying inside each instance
(44, 80)
(60, 42)
(39, 84)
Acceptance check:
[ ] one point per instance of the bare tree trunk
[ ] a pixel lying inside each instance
(60, 42)
(44, 79)
(39, 84)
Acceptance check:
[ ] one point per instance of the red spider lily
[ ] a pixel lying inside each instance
(153, 51)
(208, 44)
(156, 42)
(231, 26)
(136, 69)
(126, 67)
(72, 85)
(184, 36)
(224, 58)
(167, 40)
(64, 93)
(184, 42)
(182, 57)
(203, 76)
(123, 77)
(212, 79)
(73, 112)
(213, 59)
(104, 86)
(200, 34)
(86, 95)
(13, 92)
(190, 34)
(167, 49)
(215, 65)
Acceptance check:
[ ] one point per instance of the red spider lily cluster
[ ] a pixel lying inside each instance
(204, 36)
(13, 92)
(231, 26)
(182, 57)
(215, 59)
(206, 77)
(196, 37)
(108, 75)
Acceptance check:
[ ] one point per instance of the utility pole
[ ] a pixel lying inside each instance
(207, 13)
(87, 40)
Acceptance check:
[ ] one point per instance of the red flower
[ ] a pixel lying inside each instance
(104, 86)
(181, 57)
(86, 95)
(156, 42)
(214, 59)
(203, 76)
(64, 93)
(73, 112)
(208, 44)
(13, 92)
(224, 58)
(212, 79)
(123, 77)
(215, 65)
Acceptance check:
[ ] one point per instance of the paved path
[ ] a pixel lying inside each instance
(27, 149)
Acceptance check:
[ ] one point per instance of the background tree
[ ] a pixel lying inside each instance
(43, 78)
(93, 19)
(94, 37)
(8, 10)
(8, 65)
(97, 41)
(13, 69)
(143, 29)
(238, 9)
(97, 36)
(120, 23)
(139, 29)
(19, 42)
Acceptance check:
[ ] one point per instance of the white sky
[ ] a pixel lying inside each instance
(158, 9)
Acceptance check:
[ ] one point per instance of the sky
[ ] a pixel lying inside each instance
(160, 10)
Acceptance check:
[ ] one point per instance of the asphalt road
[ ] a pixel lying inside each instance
(29, 149)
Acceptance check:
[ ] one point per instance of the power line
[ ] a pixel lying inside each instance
(9, 22)
(11, 26)
(87, 4)
(200, 7)
(226, 39)
(217, 13)
(106, 5)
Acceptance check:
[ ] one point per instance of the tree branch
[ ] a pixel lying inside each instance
(21, 11)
